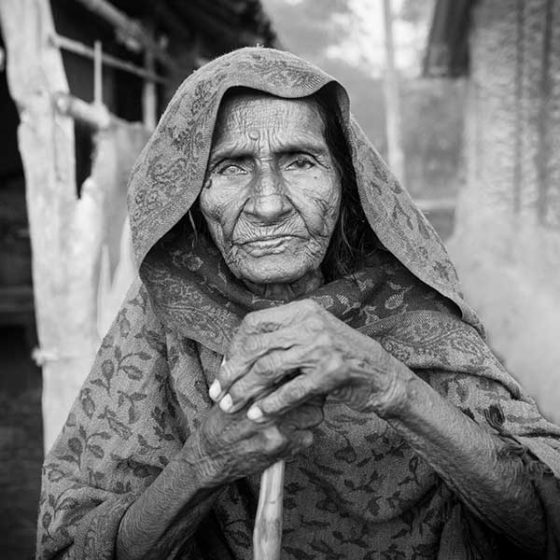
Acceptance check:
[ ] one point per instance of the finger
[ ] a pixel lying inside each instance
(283, 399)
(241, 358)
(329, 373)
(279, 445)
(306, 416)
(220, 429)
(269, 355)
(274, 318)
(251, 337)
(250, 455)
(301, 440)
(295, 352)
(267, 373)
(272, 440)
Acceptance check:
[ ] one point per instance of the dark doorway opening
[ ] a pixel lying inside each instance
(21, 428)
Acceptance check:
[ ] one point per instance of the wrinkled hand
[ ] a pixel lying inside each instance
(282, 357)
(227, 447)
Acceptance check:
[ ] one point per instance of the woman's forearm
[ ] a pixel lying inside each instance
(166, 515)
(473, 462)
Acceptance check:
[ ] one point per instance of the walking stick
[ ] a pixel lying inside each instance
(267, 535)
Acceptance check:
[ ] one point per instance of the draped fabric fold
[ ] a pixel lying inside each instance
(359, 491)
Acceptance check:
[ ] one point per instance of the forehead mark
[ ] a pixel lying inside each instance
(245, 120)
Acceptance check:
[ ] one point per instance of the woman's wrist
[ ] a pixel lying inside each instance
(205, 472)
(389, 390)
(379, 383)
(393, 400)
(169, 511)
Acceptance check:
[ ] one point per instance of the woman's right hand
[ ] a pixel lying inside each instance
(229, 446)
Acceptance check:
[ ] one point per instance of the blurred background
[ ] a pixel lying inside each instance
(461, 97)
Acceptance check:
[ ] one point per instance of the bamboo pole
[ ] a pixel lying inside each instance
(395, 153)
(97, 74)
(134, 35)
(267, 535)
(93, 115)
(78, 48)
(149, 93)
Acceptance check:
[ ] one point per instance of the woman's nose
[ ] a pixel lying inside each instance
(268, 202)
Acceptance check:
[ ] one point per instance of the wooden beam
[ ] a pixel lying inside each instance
(133, 35)
(94, 115)
(64, 236)
(172, 22)
(149, 94)
(395, 154)
(97, 74)
(76, 47)
(223, 32)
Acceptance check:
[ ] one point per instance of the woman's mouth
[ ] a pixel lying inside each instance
(261, 246)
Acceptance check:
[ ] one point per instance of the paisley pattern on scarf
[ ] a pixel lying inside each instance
(359, 492)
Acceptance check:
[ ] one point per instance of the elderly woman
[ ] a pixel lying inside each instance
(293, 305)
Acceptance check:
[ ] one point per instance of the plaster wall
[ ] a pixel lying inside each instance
(506, 243)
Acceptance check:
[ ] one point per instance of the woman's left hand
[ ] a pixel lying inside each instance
(286, 355)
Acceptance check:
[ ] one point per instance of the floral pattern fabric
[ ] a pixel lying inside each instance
(360, 491)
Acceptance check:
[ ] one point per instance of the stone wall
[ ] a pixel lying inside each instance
(507, 234)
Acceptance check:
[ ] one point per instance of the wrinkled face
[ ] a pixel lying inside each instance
(272, 194)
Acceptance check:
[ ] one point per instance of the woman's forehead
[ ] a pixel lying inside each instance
(257, 113)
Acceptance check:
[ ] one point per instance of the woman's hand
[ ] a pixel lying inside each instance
(227, 447)
(284, 356)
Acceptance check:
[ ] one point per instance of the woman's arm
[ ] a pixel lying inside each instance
(474, 463)
(331, 358)
(225, 448)
(166, 515)
(121, 476)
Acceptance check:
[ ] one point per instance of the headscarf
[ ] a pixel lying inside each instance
(360, 491)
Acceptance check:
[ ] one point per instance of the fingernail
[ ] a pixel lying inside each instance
(255, 414)
(215, 390)
(226, 403)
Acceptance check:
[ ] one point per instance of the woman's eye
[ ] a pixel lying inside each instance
(300, 163)
(232, 169)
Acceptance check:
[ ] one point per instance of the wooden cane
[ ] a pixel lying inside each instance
(267, 535)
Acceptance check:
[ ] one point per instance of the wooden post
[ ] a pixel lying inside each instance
(395, 155)
(149, 94)
(97, 74)
(94, 115)
(64, 230)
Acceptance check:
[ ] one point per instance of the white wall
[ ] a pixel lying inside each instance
(507, 238)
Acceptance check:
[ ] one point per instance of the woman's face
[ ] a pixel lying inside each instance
(272, 194)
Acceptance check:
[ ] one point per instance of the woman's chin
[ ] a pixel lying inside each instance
(269, 271)
(271, 275)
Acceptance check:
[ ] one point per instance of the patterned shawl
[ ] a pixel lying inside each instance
(359, 491)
